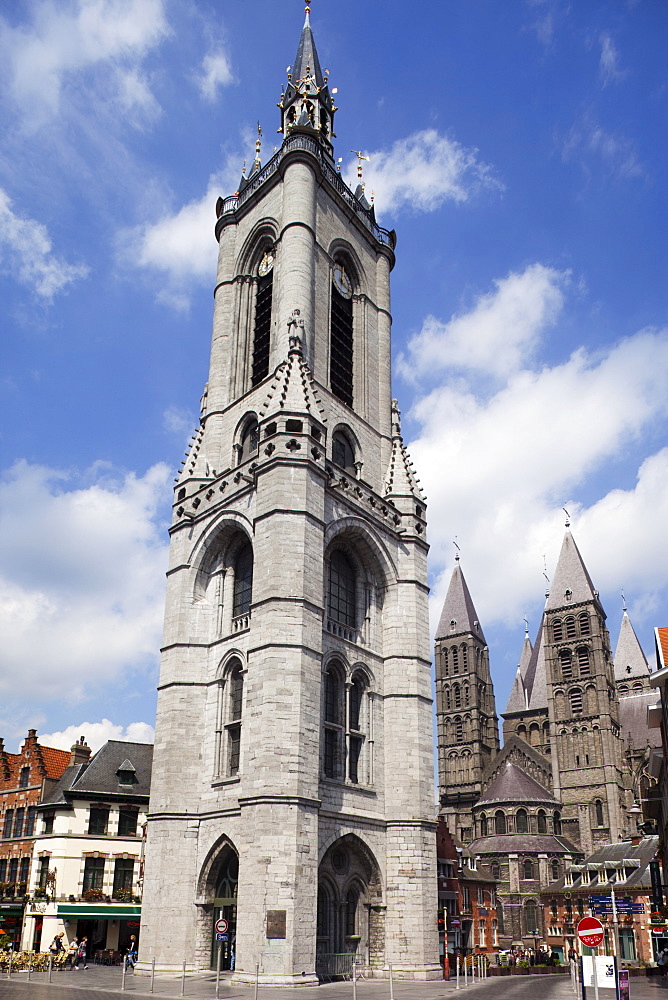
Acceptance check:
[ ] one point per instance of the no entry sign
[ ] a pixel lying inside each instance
(590, 931)
(221, 926)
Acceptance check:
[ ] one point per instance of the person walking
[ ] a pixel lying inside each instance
(131, 955)
(56, 945)
(82, 952)
(71, 954)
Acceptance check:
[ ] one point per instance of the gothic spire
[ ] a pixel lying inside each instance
(306, 104)
(572, 583)
(459, 614)
(630, 661)
(400, 479)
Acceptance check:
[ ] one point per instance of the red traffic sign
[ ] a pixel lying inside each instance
(221, 926)
(590, 931)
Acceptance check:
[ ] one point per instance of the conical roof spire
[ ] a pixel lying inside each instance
(572, 583)
(400, 479)
(306, 62)
(459, 614)
(630, 661)
(306, 104)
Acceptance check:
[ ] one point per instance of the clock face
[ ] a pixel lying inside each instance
(342, 281)
(266, 264)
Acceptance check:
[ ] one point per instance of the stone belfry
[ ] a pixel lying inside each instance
(292, 785)
(468, 732)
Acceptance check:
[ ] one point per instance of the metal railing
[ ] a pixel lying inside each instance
(334, 965)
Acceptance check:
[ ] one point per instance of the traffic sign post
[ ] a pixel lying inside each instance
(222, 926)
(590, 932)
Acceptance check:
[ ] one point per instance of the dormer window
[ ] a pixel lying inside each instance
(126, 774)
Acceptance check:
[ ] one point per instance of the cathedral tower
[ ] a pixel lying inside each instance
(293, 779)
(468, 735)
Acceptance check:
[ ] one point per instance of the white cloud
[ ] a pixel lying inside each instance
(179, 421)
(27, 254)
(423, 171)
(498, 335)
(609, 60)
(587, 140)
(216, 73)
(72, 35)
(96, 734)
(81, 579)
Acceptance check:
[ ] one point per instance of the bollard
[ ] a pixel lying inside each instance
(466, 971)
(50, 966)
(9, 967)
(183, 979)
(257, 977)
(391, 983)
(125, 966)
(29, 965)
(354, 981)
(457, 987)
(220, 947)
(152, 974)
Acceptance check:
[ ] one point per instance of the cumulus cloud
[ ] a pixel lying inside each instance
(82, 562)
(497, 465)
(67, 37)
(498, 335)
(27, 254)
(96, 734)
(216, 72)
(423, 171)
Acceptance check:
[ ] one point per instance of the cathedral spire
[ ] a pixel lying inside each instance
(630, 661)
(306, 104)
(571, 583)
(458, 614)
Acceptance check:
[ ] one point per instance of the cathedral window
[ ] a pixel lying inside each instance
(522, 732)
(571, 630)
(351, 912)
(566, 663)
(576, 700)
(262, 327)
(355, 726)
(521, 822)
(455, 660)
(341, 336)
(444, 661)
(231, 712)
(467, 694)
(583, 660)
(483, 825)
(457, 691)
(448, 699)
(243, 583)
(542, 821)
(555, 871)
(333, 722)
(583, 620)
(343, 453)
(598, 806)
(556, 823)
(459, 730)
(531, 917)
(249, 442)
(342, 590)
(500, 821)
(528, 869)
(496, 870)
(557, 630)
(464, 657)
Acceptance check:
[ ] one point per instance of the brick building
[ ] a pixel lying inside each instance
(25, 778)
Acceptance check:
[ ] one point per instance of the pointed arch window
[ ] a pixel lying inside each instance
(457, 691)
(356, 737)
(555, 870)
(236, 683)
(333, 722)
(262, 327)
(448, 699)
(444, 661)
(341, 336)
(556, 823)
(521, 822)
(243, 582)
(343, 453)
(351, 912)
(455, 660)
(500, 821)
(248, 446)
(465, 657)
(341, 598)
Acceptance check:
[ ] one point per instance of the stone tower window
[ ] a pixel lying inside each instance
(521, 824)
(444, 661)
(343, 453)
(557, 630)
(457, 691)
(483, 825)
(598, 805)
(583, 660)
(341, 336)
(341, 598)
(243, 582)
(230, 712)
(542, 821)
(500, 821)
(464, 657)
(583, 619)
(576, 700)
(262, 326)
(249, 443)
(455, 660)
(571, 630)
(528, 869)
(566, 663)
(333, 722)
(556, 823)
(496, 870)
(356, 737)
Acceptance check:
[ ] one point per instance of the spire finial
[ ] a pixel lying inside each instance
(568, 517)
(624, 608)
(547, 589)
(360, 158)
(526, 627)
(458, 549)
(396, 419)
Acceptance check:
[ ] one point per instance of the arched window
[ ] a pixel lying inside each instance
(522, 732)
(249, 442)
(448, 699)
(571, 630)
(576, 700)
(528, 869)
(455, 660)
(483, 825)
(467, 694)
(496, 870)
(459, 730)
(333, 711)
(583, 620)
(243, 582)
(556, 823)
(262, 327)
(566, 663)
(351, 912)
(555, 869)
(534, 734)
(599, 813)
(465, 657)
(343, 453)
(521, 824)
(235, 683)
(542, 821)
(500, 821)
(583, 660)
(355, 736)
(531, 917)
(557, 630)
(457, 692)
(323, 923)
(342, 590)
(444, 661)
(341, 336)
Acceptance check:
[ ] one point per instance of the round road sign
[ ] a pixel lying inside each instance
(590, 931)
(221, 926)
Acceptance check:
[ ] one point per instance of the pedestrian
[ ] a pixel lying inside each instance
(71, 953)
(662, 962)
(81, 954)
(56, 945)
(131, 955)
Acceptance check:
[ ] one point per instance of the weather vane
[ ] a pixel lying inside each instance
(568, 517)
(457, 547)
(360, 158)
(526, 626)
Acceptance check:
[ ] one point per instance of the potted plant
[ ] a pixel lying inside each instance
(93, 895)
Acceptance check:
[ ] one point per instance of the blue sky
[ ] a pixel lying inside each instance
(518, 148)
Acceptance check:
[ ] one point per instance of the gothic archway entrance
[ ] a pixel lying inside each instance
(351, 915)
(225, 905)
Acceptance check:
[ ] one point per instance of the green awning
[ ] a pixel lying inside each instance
(11, 910)
(101, 911)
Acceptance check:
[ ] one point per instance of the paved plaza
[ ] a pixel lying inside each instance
(106, 984)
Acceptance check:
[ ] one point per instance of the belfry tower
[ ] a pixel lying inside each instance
(293, 774)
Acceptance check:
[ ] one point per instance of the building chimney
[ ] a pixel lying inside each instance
(80, 752)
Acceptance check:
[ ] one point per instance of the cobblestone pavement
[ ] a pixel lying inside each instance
(105, 983)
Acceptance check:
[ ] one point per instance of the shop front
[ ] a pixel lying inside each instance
(11, 922)
(107, 926)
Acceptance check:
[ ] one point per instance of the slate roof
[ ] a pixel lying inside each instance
(99, 776)
(531, 692)
(514, 785)
(629, 653)
(614, 854)
(514, 843)
(633, 719)
(307, 56)
(570, 574)
(458, 606)
(518, 700)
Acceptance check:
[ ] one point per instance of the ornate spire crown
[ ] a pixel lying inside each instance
(306, 103)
